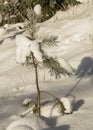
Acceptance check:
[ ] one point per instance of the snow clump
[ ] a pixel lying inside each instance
(67, 104)
(26, 101)
(37, 9)
(24, 47)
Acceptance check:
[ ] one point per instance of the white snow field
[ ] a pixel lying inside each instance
(74, 29)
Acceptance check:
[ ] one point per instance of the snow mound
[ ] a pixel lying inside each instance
(21, 127)
(33, 121)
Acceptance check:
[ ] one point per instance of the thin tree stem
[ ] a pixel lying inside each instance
(37, 85)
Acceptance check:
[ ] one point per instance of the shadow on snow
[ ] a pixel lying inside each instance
(63, 127)
(85, 69)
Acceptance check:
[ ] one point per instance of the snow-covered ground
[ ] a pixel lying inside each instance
(74, 29)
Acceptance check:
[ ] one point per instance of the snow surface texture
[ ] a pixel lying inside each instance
(75, 34)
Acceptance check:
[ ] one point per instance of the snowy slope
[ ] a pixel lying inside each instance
(75, 36)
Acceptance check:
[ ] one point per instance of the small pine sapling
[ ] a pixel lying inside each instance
(37, 56)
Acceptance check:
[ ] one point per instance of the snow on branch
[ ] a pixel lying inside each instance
(24, 47)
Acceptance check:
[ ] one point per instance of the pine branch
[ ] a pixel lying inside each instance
(54, 66)
(49, 41)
